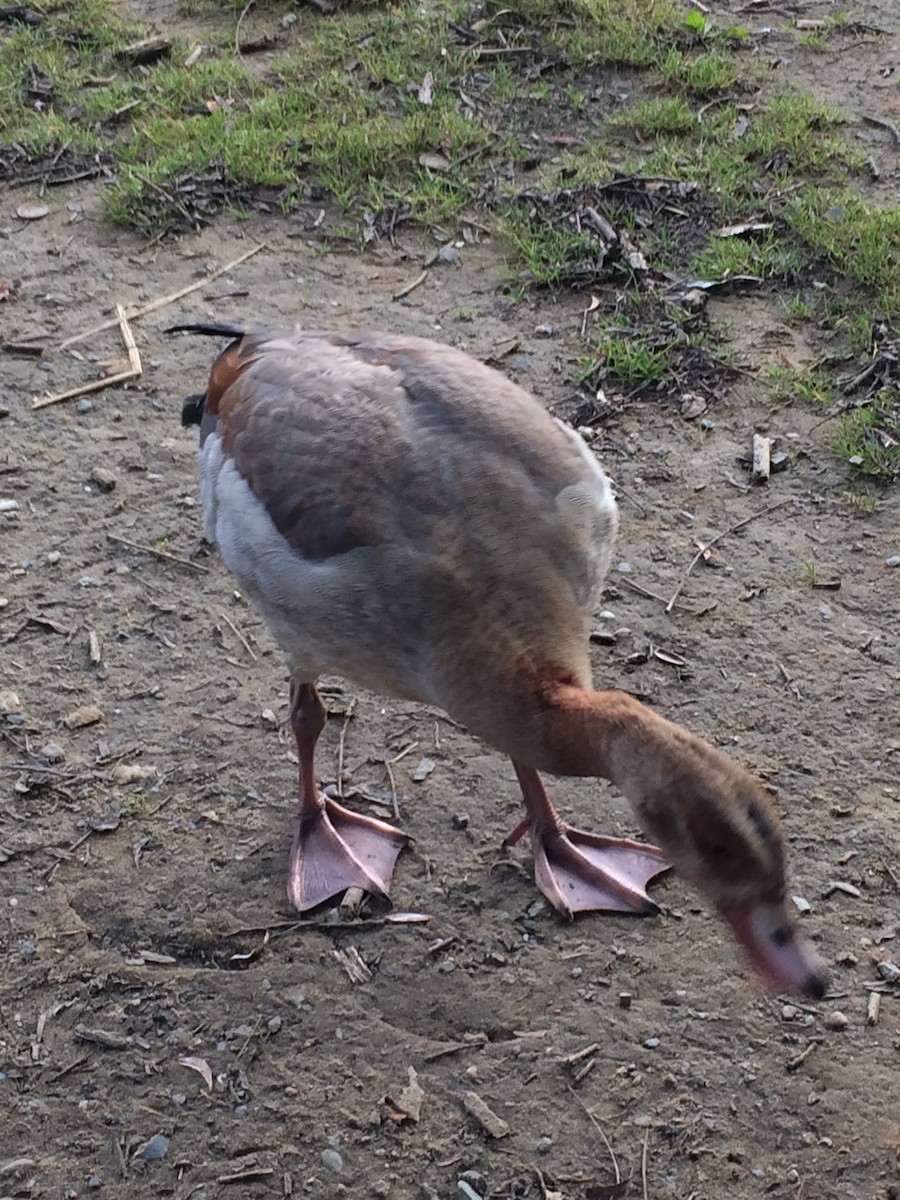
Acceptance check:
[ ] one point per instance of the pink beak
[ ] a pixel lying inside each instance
(781, 956)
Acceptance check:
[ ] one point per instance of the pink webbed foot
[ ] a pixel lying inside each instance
(335, 849)
(585, 872)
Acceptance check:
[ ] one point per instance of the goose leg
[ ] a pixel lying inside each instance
(583, 872)
(334, 849)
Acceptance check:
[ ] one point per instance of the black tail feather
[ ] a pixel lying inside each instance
(210, 329)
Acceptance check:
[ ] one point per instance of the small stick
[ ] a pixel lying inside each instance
(237, 633)
(237, 28)
(135, 367)
(410, 287)
(642, 591)
(596, 1124)
(96, 385)
(163, 301)
(712, 541)
(341, 744)
(801, 1057)
(393, 790)
(644, 1162)
(184, 562)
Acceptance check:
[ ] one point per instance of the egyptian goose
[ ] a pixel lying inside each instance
(406, 517)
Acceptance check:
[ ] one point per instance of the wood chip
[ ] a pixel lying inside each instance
(408, 1105)
(94, 649)
(486, 1117)
(102, 1037)
(354, 964)
(873, 1008)
(762, 459)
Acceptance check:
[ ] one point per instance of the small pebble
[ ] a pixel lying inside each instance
(460, 820)
(543, 331)
(893, 561)
(103, 478)
(624, 999)
(625, 567)
(332, 1161)
(889, 971)
(53, 558)
(544, 1144)
(652, 1043)
(789, 1013)
(836, 1020)
(85, 406)
(707, 425)
(448, 254)
(157, 1147)
(801, 905)
(52, 753)
(825, 611)
(9, 506)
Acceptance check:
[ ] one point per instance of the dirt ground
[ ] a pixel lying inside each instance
(143, 855)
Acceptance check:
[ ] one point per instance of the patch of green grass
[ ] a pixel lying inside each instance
(705, 74)
(550, 255)
(660, 115)
(858, 242)
(869, 437)
(763, 254)
(641, 355)
(806, 384)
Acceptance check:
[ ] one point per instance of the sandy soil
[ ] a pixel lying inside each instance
(143, 914)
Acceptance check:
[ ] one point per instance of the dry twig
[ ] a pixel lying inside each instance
(184, 562)
(237, 633)
(712, 541)
(144, 309)
(410, 287)
(95, 385)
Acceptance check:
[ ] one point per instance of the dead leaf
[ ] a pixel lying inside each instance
(426, 89)
(408, 1105)
(89, 714)
(692, 405)
(743, 228)
(132, 772)
(200, 1065)
(434, 162)
(32, 211)
(424, 769)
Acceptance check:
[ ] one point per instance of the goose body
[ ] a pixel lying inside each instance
(408, 518)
